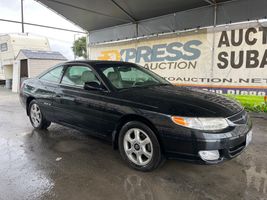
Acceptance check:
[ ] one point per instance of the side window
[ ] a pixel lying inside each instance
(78, 75)
(53, 75)
(107, 70)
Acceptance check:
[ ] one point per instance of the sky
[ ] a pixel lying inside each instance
(35, 12)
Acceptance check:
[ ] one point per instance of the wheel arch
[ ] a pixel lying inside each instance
(132, 117)
(28, 101)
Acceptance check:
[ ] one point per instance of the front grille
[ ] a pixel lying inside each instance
(239, 118)
(233, 151)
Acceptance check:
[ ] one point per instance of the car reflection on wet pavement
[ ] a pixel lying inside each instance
(88, 168)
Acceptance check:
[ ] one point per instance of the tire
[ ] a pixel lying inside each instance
(142, 153)
(36, 116)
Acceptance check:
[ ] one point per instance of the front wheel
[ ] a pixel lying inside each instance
(36, 116)
(139, 146)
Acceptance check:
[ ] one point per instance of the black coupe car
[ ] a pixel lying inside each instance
(143, 115)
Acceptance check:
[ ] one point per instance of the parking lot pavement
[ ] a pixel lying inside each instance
(62, 163)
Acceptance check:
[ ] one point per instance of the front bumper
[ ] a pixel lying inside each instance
(184, 144)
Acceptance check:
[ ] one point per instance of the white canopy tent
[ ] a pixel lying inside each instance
(112, 20)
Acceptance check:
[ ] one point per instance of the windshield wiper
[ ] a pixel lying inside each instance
(162, 84)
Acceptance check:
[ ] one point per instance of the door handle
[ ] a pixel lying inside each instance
(58, 96)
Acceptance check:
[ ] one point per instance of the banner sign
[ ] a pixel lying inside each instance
(226, 62)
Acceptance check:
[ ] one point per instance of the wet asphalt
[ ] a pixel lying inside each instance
(62, 163)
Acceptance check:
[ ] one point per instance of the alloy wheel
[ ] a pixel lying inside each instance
(36, 115)
(138, 146)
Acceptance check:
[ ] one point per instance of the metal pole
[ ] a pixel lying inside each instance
(213, 38)
(87, 46)
(22, 17)
(74, 46)
(43, 26)
(215, 14)
(136, 28)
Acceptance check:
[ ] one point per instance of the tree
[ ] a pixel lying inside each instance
(79, 47)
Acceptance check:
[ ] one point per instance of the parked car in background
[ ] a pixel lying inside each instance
(140, 113)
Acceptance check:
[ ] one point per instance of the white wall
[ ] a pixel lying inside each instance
(16, 75)
(36, 67)
(8, 69)
(19, 42)
(16, 42)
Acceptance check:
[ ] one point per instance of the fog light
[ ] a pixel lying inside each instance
(209, 155)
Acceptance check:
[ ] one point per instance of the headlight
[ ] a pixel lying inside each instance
(201, 123)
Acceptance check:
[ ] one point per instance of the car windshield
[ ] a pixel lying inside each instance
(124, 76)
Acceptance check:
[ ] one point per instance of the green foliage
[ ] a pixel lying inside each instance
(79, 47)
(251, 103)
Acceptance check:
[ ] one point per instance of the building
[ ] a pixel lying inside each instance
(11, 44)
(30, 63)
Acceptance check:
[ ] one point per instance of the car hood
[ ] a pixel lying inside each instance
(181, 101)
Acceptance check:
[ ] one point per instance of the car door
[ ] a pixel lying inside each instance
(75, 105)
(47, 84)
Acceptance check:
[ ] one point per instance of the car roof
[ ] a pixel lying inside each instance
(95, 62)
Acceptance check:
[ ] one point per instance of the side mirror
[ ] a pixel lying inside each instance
(92, 86)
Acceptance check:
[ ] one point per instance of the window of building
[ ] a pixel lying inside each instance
(3, 47)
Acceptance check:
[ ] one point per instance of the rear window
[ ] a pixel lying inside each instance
(53, 75)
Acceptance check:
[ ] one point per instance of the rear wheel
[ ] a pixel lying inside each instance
(37, 119)
(139, 146)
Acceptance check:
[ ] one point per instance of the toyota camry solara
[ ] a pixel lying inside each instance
(140, 113)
